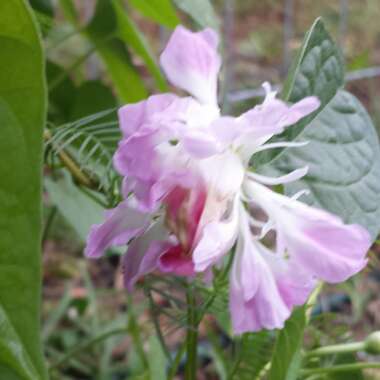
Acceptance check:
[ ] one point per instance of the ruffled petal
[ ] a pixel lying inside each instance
(143, 254)
(174, 260)
(133, 116)
(273, 115)
(264, 287)
(318, 242)
(121, 225)
(224, 173)
(255, 300)
(215, 239)
(191, 62)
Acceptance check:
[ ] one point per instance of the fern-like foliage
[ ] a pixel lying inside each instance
(90, 143)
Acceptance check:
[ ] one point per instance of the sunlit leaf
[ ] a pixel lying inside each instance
(161, 11)
(201, 11)
(22, 118)
(343, 157)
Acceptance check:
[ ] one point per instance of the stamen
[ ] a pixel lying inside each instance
(290, 177)
(299, 194)
(282, 144)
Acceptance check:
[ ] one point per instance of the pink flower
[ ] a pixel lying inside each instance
(189, 195)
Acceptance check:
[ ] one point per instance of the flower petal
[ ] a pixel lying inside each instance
(143, 254)
(175, 261)
(133, 116)
(318, 242)
(191, 62)
(121, 225)
(255, 300)
(215, 239)
(264, 287)
(274, 115)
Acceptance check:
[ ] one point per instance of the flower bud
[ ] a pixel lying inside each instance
(372, 343)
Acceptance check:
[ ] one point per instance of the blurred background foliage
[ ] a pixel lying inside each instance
(102, 54)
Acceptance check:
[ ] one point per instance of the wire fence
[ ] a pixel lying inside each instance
(234, 96)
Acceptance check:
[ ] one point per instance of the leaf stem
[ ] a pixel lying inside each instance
(177, 359)
(48, 224)
(134, 331)
(72, 166)
(156, 324)
(82, 347)
(191, 335)
(339, 368)
(336, 349)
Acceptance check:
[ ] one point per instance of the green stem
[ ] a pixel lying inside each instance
(134, 331)
(191, 335)
(49, 223)
(336, 349)
(339, 368)
(82, 347)
(177, 360)
(156, 323)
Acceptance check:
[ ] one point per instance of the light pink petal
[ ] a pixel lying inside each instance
(128, 156)
(143, 254)
(133, 116)
(121, 225)
(273, 115)
(330, 250)
(226, 129)
(256, 302)
(215, 239)
(191, 62)
(176, 261)
(264, 286)
(200, 144)
(318, 242)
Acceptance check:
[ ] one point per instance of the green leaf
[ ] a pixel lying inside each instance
(101, 31)
(349, 358)
(77, 208)
(255, 353)
(316, 71)
(161, 11)
(201, 11)
(61, 97)
(286, 359)
(157, 359)
(344, 163)
(128, 32)
(89, 98)
(13, 354)
(128, 84)
(90, 142)
(43, 6)
(22, 117)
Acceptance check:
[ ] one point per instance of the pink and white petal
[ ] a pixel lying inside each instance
(199, 144)
(143, 254)
(228, 163)
(121, 225)
(215, 239)
(330, 250)
(133, 116)
(226, 129)
(294, 284)
(191, 62)
(273, 115)
(319, 242)
(265, 307)
(127, 158)
(177, 262)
